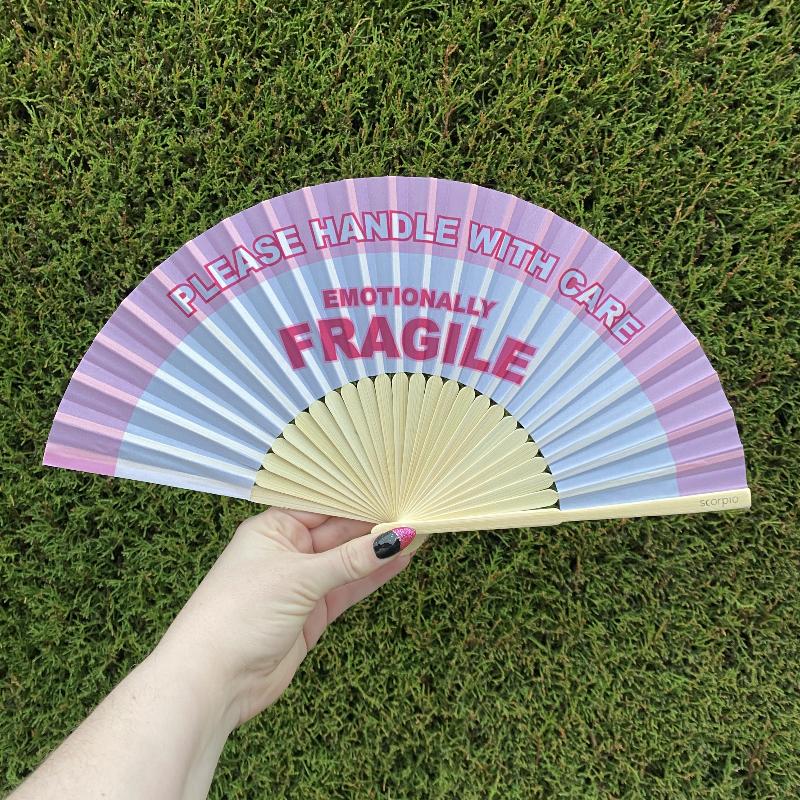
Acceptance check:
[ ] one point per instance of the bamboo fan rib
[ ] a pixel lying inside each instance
(389, 449)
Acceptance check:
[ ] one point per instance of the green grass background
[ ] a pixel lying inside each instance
(632, 659)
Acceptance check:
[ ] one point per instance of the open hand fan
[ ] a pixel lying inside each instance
(406, 351)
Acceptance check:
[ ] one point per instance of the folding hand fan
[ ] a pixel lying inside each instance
(408, 351)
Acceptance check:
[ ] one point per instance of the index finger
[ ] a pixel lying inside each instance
(335, 531)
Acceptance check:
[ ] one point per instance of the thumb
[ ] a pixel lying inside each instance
(359, 558)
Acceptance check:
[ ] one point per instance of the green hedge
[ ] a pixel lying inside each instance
(639, 659)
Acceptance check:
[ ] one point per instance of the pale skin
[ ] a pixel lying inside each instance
(230, 653)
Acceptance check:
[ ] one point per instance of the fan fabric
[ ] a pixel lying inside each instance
(226, 342)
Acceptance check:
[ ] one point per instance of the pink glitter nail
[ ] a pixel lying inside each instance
(406, 536)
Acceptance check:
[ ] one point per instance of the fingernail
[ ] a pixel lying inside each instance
(393, 541)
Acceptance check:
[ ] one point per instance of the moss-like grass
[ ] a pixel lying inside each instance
(635, 659)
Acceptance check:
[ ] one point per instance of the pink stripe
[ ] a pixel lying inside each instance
(702, 464)
(638, 291)
(311, 205)
(361, 248)
(134, 358)
(703, 424)
(111, 391)
(668, 402)
(236, 236)
(658, 340)
(394, 246)
(433, 188)
(168, 283)
(610, 264)
(58, 455)
(200, 258)
(269, 210)
(661, 367)
(729, 475)
(88, 425)
(571, 256)
(509, 213)
(152, 324)
(544, 226)
(632, 349)
(471, 199)
(197, 254)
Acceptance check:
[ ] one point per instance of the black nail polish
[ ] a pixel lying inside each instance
(392, 542)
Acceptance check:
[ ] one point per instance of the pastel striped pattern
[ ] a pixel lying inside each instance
(196, 402)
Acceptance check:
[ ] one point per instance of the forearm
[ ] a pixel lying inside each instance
(230, 652)
(158, 736)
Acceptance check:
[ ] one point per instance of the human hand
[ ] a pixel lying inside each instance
(269, 597)
(230, 652)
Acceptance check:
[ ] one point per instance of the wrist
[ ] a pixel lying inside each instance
(187, 710)
(193, 676)
(158, 735)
